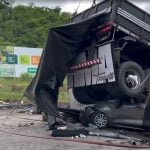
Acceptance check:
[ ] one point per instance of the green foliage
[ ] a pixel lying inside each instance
(12, 89)
(63, 93)
(28, 25)
(4, 42)
(4, 4)
(25, 77)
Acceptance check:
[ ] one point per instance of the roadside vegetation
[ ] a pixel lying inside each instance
(26, 26)
(12, 89)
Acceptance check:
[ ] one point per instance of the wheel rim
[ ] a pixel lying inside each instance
(100, 120)
(132, 79)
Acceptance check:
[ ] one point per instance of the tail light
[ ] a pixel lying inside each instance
(106, 28)
(103, 30)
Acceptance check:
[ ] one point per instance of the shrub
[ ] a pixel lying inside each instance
(17, 87)
(25, 77)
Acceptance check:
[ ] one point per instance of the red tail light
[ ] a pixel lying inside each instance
(103, 30)
(106, 29)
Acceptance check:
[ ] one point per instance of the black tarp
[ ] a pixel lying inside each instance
(62, 45)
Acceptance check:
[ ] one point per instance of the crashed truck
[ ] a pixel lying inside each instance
(104, 52)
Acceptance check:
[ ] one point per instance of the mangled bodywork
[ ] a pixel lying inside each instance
(100, 52)
(63, 44)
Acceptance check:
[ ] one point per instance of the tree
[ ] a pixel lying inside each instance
(4, 43)
(28, 26)
(4, 4)
(57, 9)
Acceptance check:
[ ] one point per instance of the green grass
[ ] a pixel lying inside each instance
(12, 89)
(63, 93)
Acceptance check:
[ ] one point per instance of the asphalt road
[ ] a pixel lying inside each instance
(16, 131)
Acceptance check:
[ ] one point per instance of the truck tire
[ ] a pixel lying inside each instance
(147, 73)
(89, 94)
(130, 76)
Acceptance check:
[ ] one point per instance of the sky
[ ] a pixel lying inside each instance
(66, 5)
(72, 5)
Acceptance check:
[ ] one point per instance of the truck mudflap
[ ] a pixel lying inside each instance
(98, 70)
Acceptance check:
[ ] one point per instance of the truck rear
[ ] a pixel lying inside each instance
(105, 54)
(114, 61)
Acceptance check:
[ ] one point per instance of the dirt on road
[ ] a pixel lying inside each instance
(21, 129)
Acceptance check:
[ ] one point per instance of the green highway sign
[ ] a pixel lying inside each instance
(32, 70)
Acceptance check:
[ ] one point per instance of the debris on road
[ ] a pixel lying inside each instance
(32, 124)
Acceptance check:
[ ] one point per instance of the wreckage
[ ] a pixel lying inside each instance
(104, 52)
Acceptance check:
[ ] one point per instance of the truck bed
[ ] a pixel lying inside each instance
(124, 14)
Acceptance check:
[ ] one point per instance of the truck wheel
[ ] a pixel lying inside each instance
(130, 76)
(147, 73)
(99, 119)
